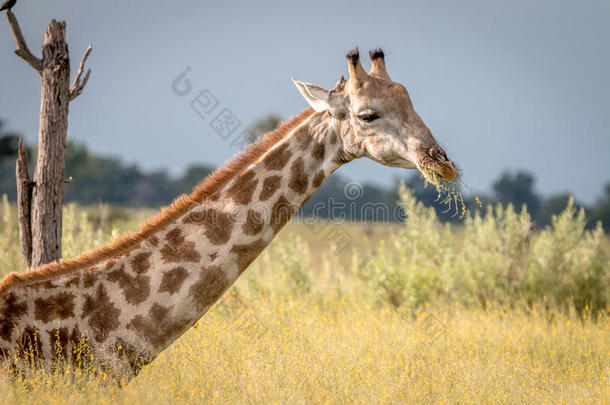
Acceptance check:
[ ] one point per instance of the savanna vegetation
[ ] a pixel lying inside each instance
(490, 310)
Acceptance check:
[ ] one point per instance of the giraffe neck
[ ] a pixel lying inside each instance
(201, 254)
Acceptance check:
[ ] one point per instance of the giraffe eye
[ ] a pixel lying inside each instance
(368, 116)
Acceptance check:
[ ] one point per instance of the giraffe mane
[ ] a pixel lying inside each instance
(212, 183)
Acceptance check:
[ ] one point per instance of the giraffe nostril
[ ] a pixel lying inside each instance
(438, 153)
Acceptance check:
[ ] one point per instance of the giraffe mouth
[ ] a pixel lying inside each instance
(435, 166)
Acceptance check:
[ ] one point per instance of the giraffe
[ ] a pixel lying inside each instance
(133, 298)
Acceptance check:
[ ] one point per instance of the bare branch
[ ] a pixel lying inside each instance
(22, 48)
(79, 85)
(82, 64)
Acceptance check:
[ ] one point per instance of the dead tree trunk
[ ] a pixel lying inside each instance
(24, 204)
(40, 218)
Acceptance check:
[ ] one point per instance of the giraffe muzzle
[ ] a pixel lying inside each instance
(435, 165)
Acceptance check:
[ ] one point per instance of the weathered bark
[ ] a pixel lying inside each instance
(24, 204)
(48, 196)
(56, 94)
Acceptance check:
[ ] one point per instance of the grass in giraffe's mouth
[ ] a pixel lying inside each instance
(431, 176)
(450, 192)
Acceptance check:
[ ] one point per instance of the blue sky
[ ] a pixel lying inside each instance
(502, 85)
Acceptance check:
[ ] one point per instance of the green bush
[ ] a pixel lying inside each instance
(569, 263)
(10, 255)
(494, 256)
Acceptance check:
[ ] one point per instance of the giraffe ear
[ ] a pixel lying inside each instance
(321, 99)
(317, 97)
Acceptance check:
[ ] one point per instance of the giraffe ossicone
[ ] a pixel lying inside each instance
(133, 298)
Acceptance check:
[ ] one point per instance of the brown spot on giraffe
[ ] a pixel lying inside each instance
(209, 287)
(60, 342)
(270, 185)
(304, 139)
(135, 288)
(281, 212)
(158, 313)
(158, 327)
(141, 262)
(172, 280)
(153, 241)
(46, 285)
(298, 178)
(245, 254)
(12, 310)
(89, 277)
(277, 158)
(73, 280)
(242, 189)
(254, 223)
(111, 262)
(58, 306)
(178, 249)
(318, 151)
(103, 315)
(218, 225)
(318, 179)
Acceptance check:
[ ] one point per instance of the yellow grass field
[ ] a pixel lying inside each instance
(284, 350)
(482, 313)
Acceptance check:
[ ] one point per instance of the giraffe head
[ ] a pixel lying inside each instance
(377, 119)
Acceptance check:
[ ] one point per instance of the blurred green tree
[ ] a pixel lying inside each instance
(518, 189)
(601, 210)
(8, 143)
(8, 152)
(553, 205)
